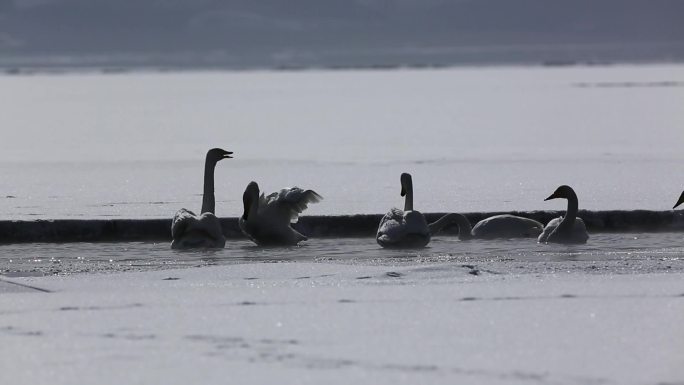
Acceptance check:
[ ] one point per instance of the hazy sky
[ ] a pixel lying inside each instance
(278, 29)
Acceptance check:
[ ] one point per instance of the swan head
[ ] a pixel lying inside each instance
(406, 183)
(250, 195)
(680, 201)
(216, 154)
(562, 192)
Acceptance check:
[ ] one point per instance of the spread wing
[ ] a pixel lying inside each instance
(286, 205)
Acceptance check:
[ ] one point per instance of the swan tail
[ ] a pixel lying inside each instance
(191, 231)
(392, 227)
(180, 222)
(394, 214)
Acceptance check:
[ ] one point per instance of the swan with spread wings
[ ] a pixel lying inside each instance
(267, 219)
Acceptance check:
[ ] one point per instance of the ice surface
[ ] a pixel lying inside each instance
(313, 323)
(132, 145)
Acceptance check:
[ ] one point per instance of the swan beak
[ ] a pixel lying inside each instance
(679, 202)
(552, 196)
(227, 155)
(403, 191)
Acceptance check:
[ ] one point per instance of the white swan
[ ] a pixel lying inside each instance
(266, 219)
(497, 226)
(680, 201)
(204, 231)
(408, 228)
(568, 229)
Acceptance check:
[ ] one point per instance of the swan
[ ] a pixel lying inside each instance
(680, 201)
(568, 229)
(497, 226)
(266, 219)
(189, 230)
(408, 228)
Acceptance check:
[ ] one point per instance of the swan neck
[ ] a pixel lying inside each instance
(573, 207)
(254, 206)
(408, 201)
(208, 201)
(250, 201)
(464, 227)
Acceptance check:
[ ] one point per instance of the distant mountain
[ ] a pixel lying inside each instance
(337, 32)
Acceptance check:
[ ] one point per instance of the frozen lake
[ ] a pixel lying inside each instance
(344, 310)
(397, 322)
(132, 145)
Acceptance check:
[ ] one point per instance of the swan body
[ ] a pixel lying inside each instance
(497, 226)
(266, 219)
(577, 234)
(506, 226)
(192, 231)
(407, 228)
(566, 229)
(680, 201)
(403, 229)
(189, 230)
